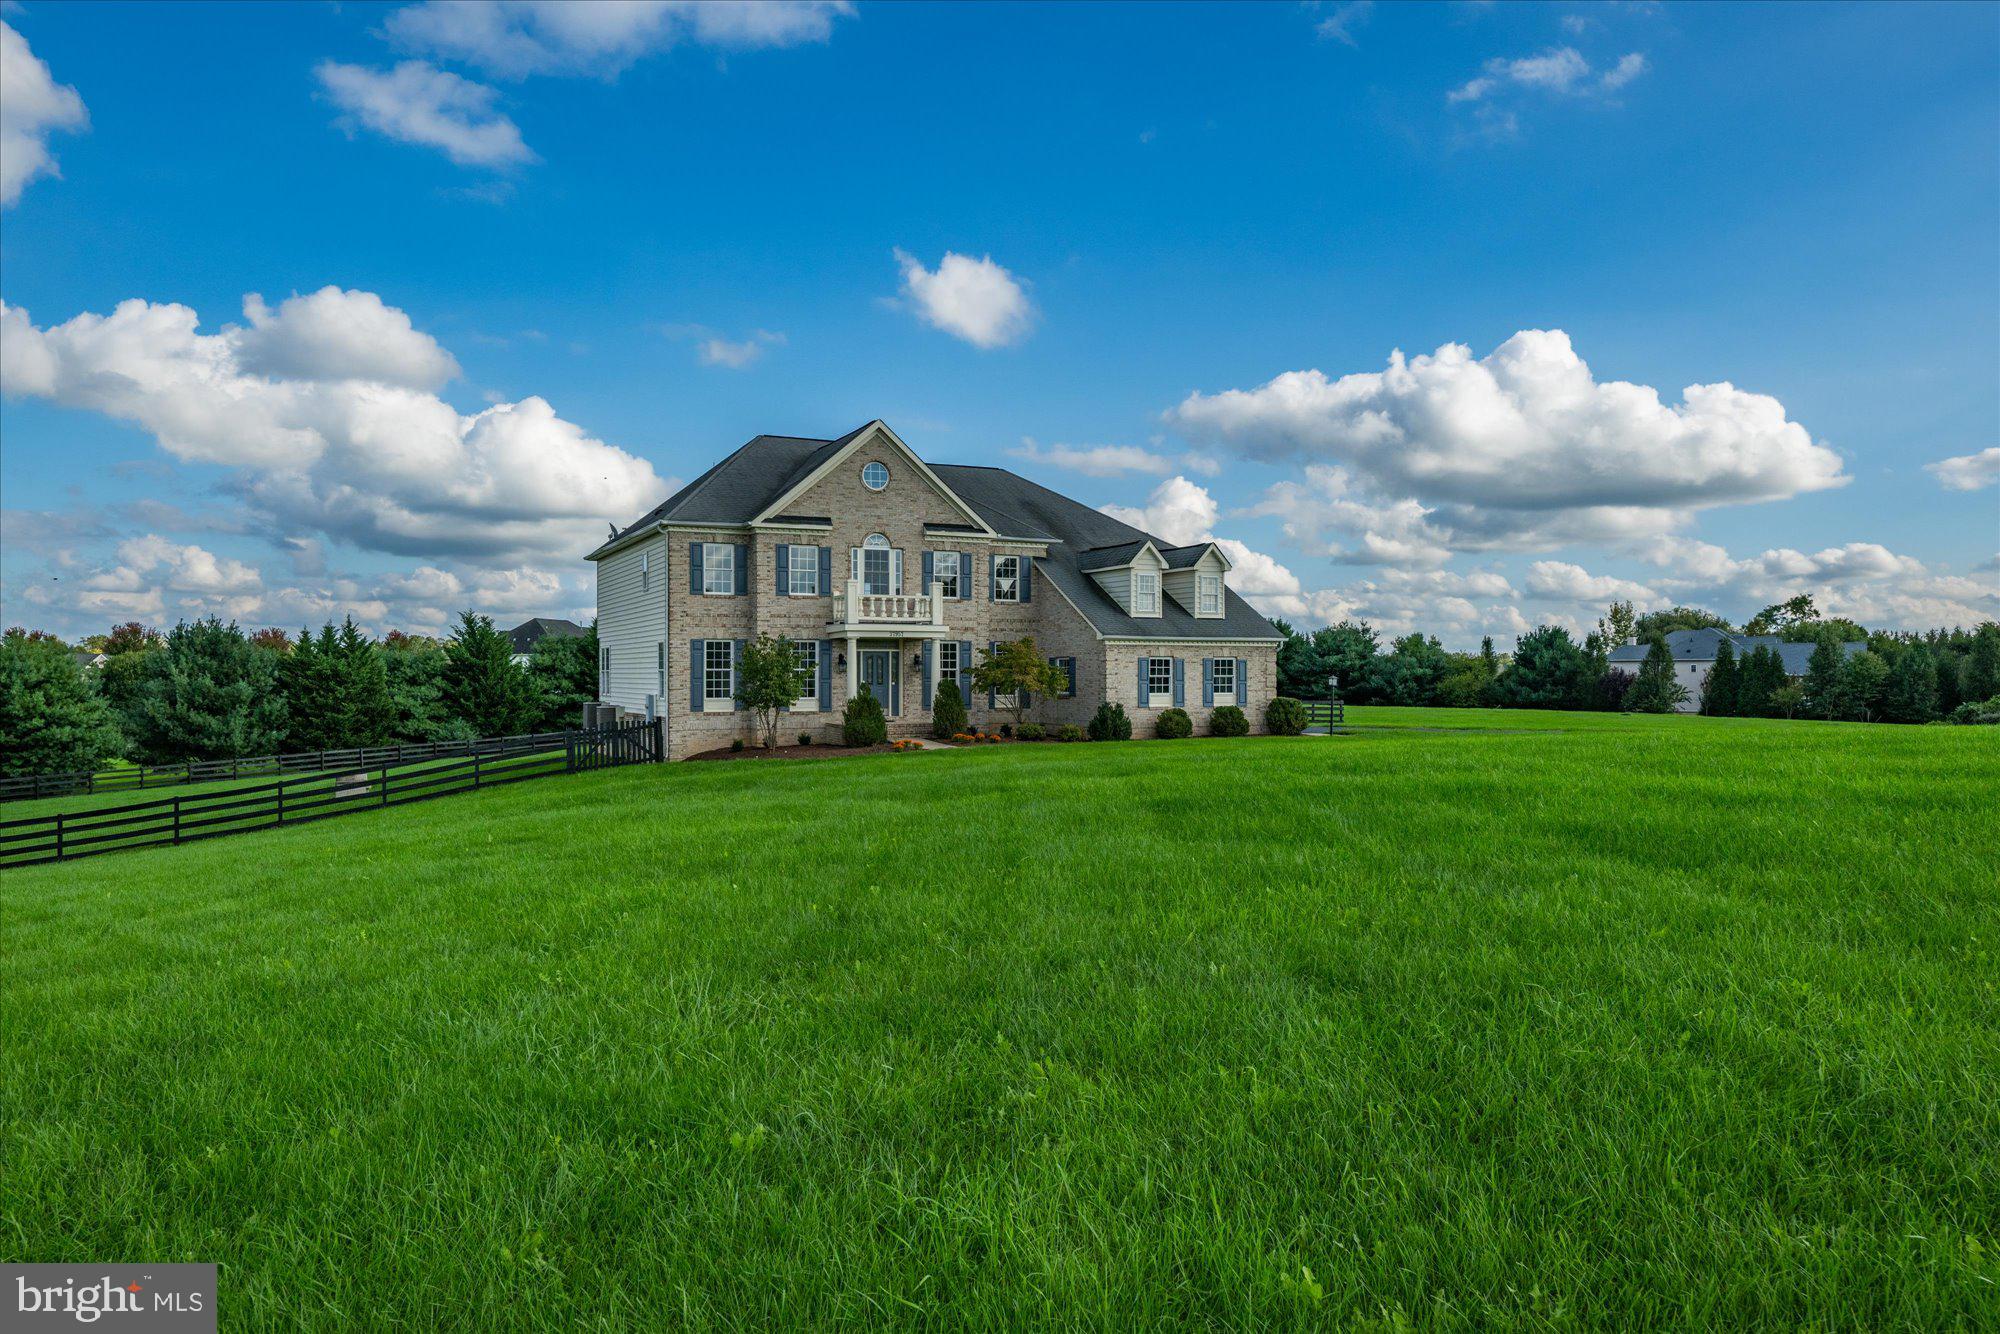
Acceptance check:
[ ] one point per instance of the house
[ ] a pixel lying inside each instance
(528, 633)
(894, 574)
(1694, 653)
(88, 658)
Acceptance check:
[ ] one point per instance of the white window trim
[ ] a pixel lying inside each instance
(662, 655)
(603, 670)
(886, 475)
(808, 702)
(1203, 583)
(953, 672)
(1159, 699)
(1217, 694)
(709, 567)
(1001, 590)
(1145, 593)
(951, 590)
(811, 567)
(728, 647)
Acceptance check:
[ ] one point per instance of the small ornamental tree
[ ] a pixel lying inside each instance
(1718, 688)
(51, 721)
(1788, 699)
(1017, 669)
(861, 721)
(768, 682)
(948, 717)
(1655, 690)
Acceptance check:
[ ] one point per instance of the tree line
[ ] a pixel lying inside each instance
(209, 691)
(1896, 677)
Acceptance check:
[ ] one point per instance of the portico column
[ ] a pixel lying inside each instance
(853, 666)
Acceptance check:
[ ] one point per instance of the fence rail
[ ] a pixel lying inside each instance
(253, 766)
(241, 810)
(1327, 713)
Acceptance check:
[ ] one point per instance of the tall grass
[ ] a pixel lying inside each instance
(1682, 1023)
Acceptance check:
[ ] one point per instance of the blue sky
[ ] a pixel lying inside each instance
(576, 254)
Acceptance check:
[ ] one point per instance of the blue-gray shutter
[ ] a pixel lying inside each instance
(825, 571)
(784, 569)
(1027, 582)
(825, 667)
(1208, 683)
(1180, 683)
(1145, 696)
(698, 655)
(1243, 683)
(930, 567)
(928, 646)
(991, 645)
(1069, 673)
(896, 683)
(736, 660)
(992, 578)
(965, 672)
(694, 568)
(742, 569)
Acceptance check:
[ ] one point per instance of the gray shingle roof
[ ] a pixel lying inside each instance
(1700, 646)
(742, 485)
(1181, 558)
(1110, 558)
(525, 635)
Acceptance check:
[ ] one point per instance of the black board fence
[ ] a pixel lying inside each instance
(241, 810)
(1326, 713)
(134, 777)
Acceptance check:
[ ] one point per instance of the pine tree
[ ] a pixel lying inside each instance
(481, 685)
(213, 696)
(367, 714)
(1719, 687)
(1763, 673)
(51, 720)
(1911, 696)
(1982, 666)
(1821, 698)
(305, 677)
(1655, 690)
(1545, 672)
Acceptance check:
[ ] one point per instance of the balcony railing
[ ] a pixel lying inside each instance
(851, 606)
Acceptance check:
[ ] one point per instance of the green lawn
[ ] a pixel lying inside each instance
(1672, 1022)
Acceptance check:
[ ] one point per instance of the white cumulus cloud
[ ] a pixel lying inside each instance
(417, 103)
(973, 299)
(32, 107)
(1560, 581)
(1968, 472)
(1093, 460)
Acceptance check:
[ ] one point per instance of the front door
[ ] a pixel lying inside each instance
(878, 667)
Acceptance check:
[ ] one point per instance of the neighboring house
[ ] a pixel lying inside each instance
(527, 634)
(1694, 653)
(892, 573)
(88, 658)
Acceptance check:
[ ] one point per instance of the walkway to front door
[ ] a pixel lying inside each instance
(878, 673)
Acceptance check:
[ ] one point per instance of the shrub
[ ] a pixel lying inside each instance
(1285, 716)
(1006, 729)
(1031, 732)
(1228, 721)
(1977, 715)
(948, 713)
(1109, 723)
(737, 744)
(862, 723)
(805, 738)
(1173, 725)
(1069, 732)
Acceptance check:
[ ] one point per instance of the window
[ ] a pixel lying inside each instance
(875, 574)
(1067, 666)
(645, 570)
(951, 669)
(717, 676)
(804, 571)
(1222, 679)
(661, 652)
(1006, 578)
(806, 652)
(1159, 679)
(944, 570)
(875, 476)
(718, 569)
(1208, 594)
(1145, 593)
(603, 671)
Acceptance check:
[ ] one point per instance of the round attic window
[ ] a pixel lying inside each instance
(875, 476)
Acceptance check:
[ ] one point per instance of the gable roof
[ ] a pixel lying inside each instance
(1701, 645)
(765, 473)
(1182, 558)
(525, 635)
(1114, 558)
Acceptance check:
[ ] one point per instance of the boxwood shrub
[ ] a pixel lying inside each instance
(1285, 716)
(862, 723)
(1229, 721)
(1173, 725)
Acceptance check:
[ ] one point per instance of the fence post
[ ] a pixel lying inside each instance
(59, 836)
(177, 821)
(569, 751)
(659, 740)
(475, 768)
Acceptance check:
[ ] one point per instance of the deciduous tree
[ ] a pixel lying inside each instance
(1018, 669)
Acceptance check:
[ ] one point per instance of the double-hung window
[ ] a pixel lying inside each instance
(1208, 594)
(803, 567)
(944, 572)
(603, 670)
(718, 569)
(1067, 666)
(1145, 593)
(1222, 679)
(1006, 578)
(1159, 681)
(806, 653)
(717, 674)
(660, 652)
(948, 664)
(877, 579)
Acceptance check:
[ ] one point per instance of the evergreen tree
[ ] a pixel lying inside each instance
(1410, 673)
(1911, 695)
(1981, 681)
(1655, 690)
(1347, 651)
(1719, 687)
(948, 715)
(415, 671)
(1547, 666)
(211, 696)
(1591, 690)
(1763, 673)
(1301, 671)
(562, 673)
(482, 687)
(1822, 681)
(367, 714)
(51, 720)
(306, 679)
(1863, 679)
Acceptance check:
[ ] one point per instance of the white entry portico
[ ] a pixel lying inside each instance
(880, 633)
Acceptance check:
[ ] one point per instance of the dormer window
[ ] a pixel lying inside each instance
(1208, 594)
(1145, 593)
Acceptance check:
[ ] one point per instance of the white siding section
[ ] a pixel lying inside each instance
(1118, 583)
(632, 621)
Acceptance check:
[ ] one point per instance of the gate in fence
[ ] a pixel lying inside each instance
(242, 810)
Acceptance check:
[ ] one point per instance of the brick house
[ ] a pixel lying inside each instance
(894, 574)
